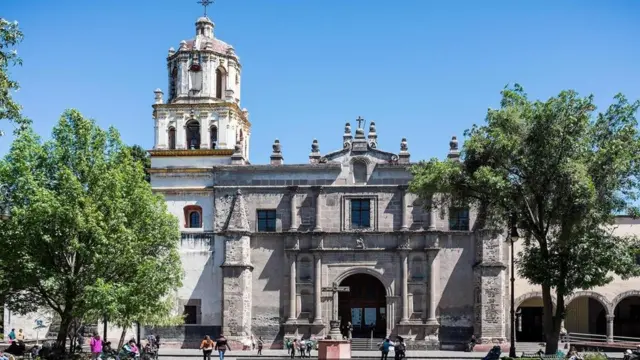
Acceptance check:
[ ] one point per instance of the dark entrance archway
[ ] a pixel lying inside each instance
(365, 306)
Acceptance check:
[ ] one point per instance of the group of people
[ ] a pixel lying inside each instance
(399, 348)
(302, 347)
(221, 345)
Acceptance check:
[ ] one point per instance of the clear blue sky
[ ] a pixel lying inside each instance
(424, 70)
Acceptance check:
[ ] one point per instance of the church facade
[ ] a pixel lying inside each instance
(262, 244)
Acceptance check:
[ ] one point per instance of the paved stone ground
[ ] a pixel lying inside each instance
(171, 354)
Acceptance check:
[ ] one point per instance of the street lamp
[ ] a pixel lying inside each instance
(513, 237)
(5, 211)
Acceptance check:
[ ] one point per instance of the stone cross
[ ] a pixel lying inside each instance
(205, 3)
(333, 290)
(360, 120)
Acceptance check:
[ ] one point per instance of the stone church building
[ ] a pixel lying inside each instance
(261, 245)
(260, 242)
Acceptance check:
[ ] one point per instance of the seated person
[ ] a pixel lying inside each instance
(3, 356)
(130, 349)
(16, 348)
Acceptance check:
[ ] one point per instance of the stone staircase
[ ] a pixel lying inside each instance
(364, 344)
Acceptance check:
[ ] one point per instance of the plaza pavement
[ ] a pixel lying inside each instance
(269, 354)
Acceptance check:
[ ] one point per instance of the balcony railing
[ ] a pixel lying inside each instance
(197, 237)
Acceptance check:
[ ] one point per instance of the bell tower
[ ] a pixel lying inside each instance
(200, 114)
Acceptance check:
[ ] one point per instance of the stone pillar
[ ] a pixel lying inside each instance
(292, 289)
(403, 206)
(318, 226)
(237, 274)
(610, 328)
(318, 289)
(433, 287)
(405, 287)
(490, 285)
(294, 215)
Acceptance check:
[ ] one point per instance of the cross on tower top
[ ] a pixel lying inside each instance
(205, 3)
(360, 120)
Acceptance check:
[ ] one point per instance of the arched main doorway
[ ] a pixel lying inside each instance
(365, 305)
(529, 320)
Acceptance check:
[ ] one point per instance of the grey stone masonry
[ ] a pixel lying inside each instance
(489, 287)
(237, 273)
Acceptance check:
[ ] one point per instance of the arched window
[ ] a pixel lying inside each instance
(193, 134)
(213, 133)
(172, 138)
(220, 80)
(193, 217)
(417, 269)
(359, 172)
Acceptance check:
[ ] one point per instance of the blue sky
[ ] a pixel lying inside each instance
(424, 70)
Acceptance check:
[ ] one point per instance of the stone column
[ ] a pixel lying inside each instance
(292, 289)
(318, 289)
(294, 215)
(610, 328)
(432, 215)
(405, 287)
(403, 206)
(433, 287)
(318, 226)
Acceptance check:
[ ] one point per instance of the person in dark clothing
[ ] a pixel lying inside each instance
(222, 346)
(294, 347)
(260, 345)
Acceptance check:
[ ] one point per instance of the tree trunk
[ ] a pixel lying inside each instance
(552, 321)
(66, 318)
(122, 335)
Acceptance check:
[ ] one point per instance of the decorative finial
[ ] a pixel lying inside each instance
(276, 146)
(403, 145)
(453, 144)
(347, 128)
(238, 147)
(205, 3)
(372, 127)
(315, 147)
(238, 192)
(158, 96)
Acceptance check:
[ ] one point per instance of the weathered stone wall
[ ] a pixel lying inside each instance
(269, 286)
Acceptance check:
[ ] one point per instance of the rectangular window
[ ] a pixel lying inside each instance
(459, 219)
(190, 314)
(360, 213)
(637, 259)
(267, 220)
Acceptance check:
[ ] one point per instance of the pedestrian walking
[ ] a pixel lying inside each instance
(207, 347)
(260, 345)
(222, 346)
(384, 349)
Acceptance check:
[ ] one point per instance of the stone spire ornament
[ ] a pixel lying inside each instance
(158, 96)
(403, 157)
(237, 158)
(238, 220)
(373, 137)
(276, 156)
(314, 157)
(347, 137)
(454, 153)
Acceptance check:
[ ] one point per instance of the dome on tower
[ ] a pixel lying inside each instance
(204, 19)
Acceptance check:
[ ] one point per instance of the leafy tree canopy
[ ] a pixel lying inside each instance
(564, 171)
(84, 222)
(10, 36)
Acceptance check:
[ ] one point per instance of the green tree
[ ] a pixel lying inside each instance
(141, 155)
(564, 172)
(84, 221)
(10, 36)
